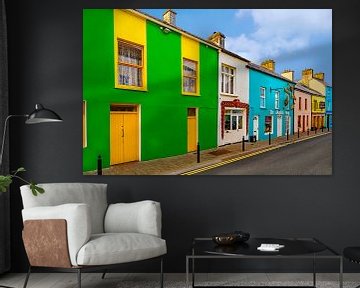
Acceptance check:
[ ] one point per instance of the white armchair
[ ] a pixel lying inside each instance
(71, 227)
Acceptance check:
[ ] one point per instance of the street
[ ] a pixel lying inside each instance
(309, 157)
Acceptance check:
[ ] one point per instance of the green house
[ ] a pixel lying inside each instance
(149, 88)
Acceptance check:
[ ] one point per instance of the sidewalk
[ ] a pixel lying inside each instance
(187, 164)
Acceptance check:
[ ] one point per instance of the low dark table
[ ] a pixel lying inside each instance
(294, 248)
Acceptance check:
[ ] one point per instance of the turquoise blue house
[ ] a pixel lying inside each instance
(271, 102)
(328, 106)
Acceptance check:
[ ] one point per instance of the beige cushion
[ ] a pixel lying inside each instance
(92, 194)
(112, 248)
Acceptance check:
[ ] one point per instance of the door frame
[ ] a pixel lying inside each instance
(138, 112)
(279, 119)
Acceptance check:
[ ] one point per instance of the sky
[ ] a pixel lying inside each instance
(295, 39)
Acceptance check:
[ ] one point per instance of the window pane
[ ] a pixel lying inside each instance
(191, 111)
(226, 84)
(227, 122)
(222, 83)
(233, 122)
(130, 54)
(231, 85)
(240, 122)
(189, 85)
(189, 68)
(131, 76)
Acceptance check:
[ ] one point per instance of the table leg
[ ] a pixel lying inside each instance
(193, 272)
(187, 272)
(314, 271)
(341, 273)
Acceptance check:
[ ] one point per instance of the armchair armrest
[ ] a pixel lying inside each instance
(78, 225)
(138, 217)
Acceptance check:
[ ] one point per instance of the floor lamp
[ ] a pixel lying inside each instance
(39, 115)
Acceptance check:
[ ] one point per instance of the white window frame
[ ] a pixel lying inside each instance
(277, 100)
(262, 97)
(228, 75)
(230, 113)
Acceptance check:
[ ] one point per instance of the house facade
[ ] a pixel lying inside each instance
(271, 102)
(149, 88)
(233, 101)
(302, 108)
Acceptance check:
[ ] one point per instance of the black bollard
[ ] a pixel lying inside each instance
(287, 134)
(298, 132)
(322, 128)
(99, 165)
(198, 152)
(269, 138)
(308, 131)
(243, 143)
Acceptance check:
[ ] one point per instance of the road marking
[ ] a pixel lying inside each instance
(225, 162)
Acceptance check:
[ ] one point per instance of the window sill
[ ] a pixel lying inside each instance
(134, 88)
(190, 94)
(228, 94)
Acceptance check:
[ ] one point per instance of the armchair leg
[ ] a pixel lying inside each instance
(27, 277)
(103, 275)
(79, 277)
(161, 273)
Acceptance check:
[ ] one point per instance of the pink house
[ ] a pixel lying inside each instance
(302, 108)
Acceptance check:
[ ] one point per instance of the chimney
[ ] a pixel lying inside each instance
(307, 75)
(170, 17)
(288, 74)
(218, 39)
(269, 64)
(320, 76)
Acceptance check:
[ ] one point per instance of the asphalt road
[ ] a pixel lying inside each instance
(309, 157)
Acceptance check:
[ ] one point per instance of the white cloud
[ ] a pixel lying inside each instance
(280, 30)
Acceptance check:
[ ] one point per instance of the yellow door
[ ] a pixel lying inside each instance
(192, 129)
(124, 137)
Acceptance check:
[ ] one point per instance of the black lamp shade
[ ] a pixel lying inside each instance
(42, 115)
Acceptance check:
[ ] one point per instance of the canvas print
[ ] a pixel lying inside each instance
(207, 92)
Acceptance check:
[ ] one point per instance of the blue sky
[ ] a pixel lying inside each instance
(295, 38)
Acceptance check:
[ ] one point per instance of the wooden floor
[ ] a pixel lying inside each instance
(176, 280)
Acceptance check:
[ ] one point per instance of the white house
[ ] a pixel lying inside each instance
(233, 94)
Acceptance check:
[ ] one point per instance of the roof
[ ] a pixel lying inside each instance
(173, 27)
(303, 88)
(267, 71)
(234, 55)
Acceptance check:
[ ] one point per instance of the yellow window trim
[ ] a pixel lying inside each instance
(197, 93)
(117, 63)
(190, 94)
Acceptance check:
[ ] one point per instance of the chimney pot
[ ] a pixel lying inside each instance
(218, 39)
(269, 64)
(169, 17)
